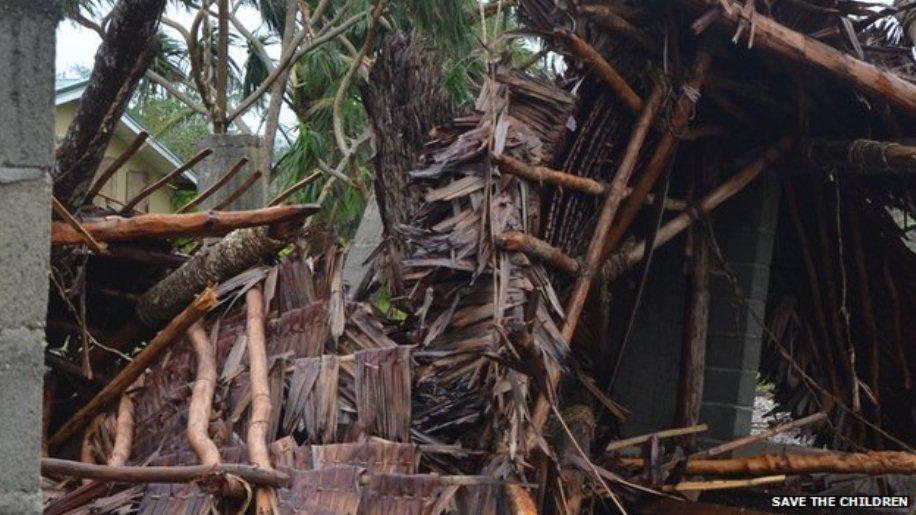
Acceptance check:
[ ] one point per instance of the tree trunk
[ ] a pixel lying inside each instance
(127, 48)
(405, 99)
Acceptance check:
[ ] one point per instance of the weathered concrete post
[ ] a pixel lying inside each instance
(227, 150)
(26, 155)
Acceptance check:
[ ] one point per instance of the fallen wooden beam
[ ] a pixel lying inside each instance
(126, 377)
(797, 47)
(245, 186)
(747, 440)
(878, 462)
(667, 433)
(174, 474)
(210, 223)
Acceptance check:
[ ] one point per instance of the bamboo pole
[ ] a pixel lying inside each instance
(204, 195)
(605, 72)
(259, 422)
(98, 248)
(200, 406)
(165, 179)
(747, 440)
(797, 47)
(116, 165)
(873, 463)
(664, 150)
(249, 182)
(210, 223)
(174, 474)
(126, 377)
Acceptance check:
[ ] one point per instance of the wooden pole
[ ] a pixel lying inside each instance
(215, 187)
(249, 182)
(608, 210)
(210, 223)
(126, 377)
(116, 165)
(799, 48)
(124, 432)
(541, 174)
(605, 72)
(259, 373)
(165, 179)
(667, 433)
(695, 325)
(201, 403)
(520, 242)
(175, 474)
(593, 255)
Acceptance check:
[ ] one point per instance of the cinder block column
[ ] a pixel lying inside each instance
(26, 149)
(227, 150)
(745, 229)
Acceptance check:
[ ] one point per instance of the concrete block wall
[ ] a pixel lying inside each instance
(744, 227)
(26, 155)
(227, 150)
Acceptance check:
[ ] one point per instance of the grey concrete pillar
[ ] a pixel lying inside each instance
(26, 149)
(745, 230)
(227, 150)
(647, 385)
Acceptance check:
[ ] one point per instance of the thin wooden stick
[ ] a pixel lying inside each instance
(667, 433)
(602, 69)
(165, 179)
(747, 440)
(723, 484)
(259, 372)
(200, 407)
(98, 248)
(210, 223)
(204, 195)
(174, 474)
(116, 165)
(285, 194)
(249, 182)
(126, 377)
(521, 242)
